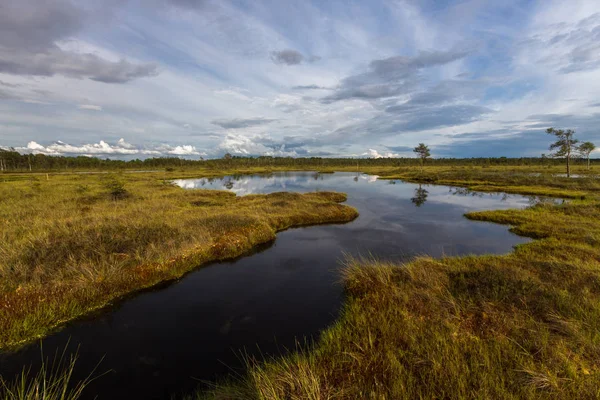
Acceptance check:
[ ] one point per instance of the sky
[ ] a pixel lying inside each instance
(301, 78)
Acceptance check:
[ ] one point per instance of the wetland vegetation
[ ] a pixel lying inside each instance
(72, 243)
(520, 325)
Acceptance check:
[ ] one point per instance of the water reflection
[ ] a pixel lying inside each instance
(420, 196)
(505, 197)
(314, 181)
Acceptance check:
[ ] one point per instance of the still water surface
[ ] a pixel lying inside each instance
(164, 342)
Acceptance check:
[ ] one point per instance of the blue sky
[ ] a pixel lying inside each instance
(199, 78)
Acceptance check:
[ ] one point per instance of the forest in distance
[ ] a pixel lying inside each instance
(566, 148)
(14, 161)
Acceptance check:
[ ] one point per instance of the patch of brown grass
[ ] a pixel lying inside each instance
(74, 243)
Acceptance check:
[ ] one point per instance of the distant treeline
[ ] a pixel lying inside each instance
(11, 161)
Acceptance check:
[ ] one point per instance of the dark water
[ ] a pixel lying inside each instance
(161, 343)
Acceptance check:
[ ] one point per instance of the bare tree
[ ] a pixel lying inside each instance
(422, 152)
(585, 149)
(564, 145)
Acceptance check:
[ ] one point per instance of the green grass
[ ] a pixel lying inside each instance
(517, 326)
(70, 244)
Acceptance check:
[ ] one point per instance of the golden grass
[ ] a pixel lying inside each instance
(517, 326)
(73, 243)
(518, 180)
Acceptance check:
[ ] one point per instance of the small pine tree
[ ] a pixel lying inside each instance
(564, 145)
(585, 149)
(423, 153)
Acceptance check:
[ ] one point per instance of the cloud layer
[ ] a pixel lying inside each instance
(30, 33)
(207, 77)
(102, 148)
(288, 57)
(237, 123)
(392, 76)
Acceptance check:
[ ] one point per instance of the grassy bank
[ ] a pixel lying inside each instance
(73, 243)
(517, 326)
(540, 181)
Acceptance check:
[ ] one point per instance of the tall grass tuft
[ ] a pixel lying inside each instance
(54, 381)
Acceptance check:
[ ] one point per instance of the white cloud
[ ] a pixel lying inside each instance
(102, 148)
(240, 144)
(251, 145)
(372, 153)
(61, 148)
(35, 147)
(186, 150)
(122, 143)
(90, 107)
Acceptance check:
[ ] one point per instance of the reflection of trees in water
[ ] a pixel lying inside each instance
(420, 196)
(458, 191)
(468, 192)
(227, 181)
(535, 201)
(532, 200)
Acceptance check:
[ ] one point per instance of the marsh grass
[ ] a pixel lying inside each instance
(517, 326)
(539, 181)
(73, 243)
(53, 381)
(521, 325)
